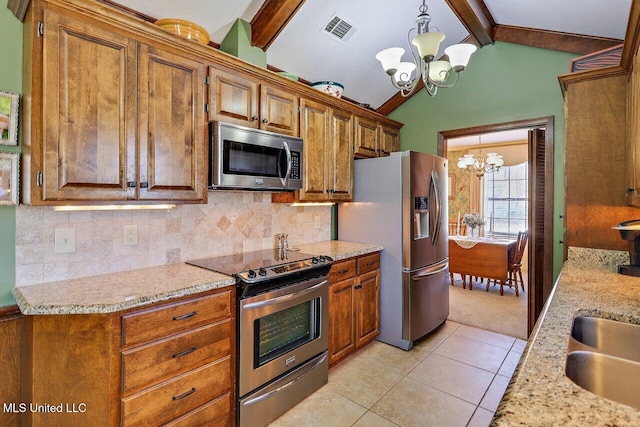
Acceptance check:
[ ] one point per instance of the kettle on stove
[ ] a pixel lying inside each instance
(630, 231)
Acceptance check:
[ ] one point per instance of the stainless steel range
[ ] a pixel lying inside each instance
(282, 329)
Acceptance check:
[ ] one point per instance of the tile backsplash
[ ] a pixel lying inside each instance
(231, 222)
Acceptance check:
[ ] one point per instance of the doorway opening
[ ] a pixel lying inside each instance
(539, 221)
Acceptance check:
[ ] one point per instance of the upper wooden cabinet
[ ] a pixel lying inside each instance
(367, 137)
(327, 159)
(172, 131)
(375, 139)
(111, 118)
(114, 111)
(389, 140)
(239, 99)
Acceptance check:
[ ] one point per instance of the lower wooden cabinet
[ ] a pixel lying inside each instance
(354, 305)
(168, 364)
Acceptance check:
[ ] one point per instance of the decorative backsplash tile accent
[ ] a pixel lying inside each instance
(598, 258)
(231, 222)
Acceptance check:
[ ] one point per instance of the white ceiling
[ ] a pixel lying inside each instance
(303, 50)
(501, 137)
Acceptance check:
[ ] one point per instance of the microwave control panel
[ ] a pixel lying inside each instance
(295, 165)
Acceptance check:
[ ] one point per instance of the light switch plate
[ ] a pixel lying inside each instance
(65, 240)
(130, 235)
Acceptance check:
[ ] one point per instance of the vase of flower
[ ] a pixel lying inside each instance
(473, 221)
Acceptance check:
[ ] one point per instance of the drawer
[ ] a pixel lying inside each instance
(214, 414)
(153, 363)
(178, 396)
(368, 263)
(147, 325)
(342, 270)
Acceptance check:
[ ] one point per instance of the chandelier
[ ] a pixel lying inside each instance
(434, 74)
(480, 165)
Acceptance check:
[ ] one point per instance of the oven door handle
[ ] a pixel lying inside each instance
(283, 298)
(267, 395)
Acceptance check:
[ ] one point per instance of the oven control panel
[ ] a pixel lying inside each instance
(265, 273)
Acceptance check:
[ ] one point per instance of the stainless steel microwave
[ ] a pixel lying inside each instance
(252, 159)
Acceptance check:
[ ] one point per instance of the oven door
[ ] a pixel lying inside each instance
(280, 330)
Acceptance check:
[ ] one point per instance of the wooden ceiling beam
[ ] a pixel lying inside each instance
(271, 19)
(476, 18)
(555, 40)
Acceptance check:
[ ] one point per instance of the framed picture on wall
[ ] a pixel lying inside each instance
(9, 118)
(452, 183)
(9, 178)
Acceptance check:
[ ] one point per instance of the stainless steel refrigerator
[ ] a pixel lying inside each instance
(400, 202)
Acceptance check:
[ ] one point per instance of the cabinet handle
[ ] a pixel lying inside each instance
(343, 271)
(357, 287)
(144, 185)
(184, 316)
(131, 184)
(265, 120)
(185, 394)
(184, 353)
(369, 264)
(254, 118)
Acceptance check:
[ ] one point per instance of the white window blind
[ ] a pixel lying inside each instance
(506, 200)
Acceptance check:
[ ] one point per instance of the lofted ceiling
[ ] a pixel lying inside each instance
(291, 33)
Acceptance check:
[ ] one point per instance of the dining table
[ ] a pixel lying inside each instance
(485, 257)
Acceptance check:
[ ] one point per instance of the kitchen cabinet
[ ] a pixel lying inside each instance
(389, 139)
(327, 159)
(367, 138)
(633, 136)
(354, 305)
(239, 99)
(172, 363)
(111, 118)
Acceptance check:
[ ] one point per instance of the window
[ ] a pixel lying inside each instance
(506, 200)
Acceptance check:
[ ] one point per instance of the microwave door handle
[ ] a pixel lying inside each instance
(285, 146)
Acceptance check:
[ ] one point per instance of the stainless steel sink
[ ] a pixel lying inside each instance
(606, 336)
(603, 357)
(610, 377)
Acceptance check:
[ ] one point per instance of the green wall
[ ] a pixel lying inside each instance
(504, 82)
(10, 80)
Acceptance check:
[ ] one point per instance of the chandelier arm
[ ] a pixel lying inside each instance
(447, 86)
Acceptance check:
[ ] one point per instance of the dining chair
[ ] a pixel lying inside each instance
(514, 265)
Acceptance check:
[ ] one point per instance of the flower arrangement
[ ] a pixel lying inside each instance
(473, 220)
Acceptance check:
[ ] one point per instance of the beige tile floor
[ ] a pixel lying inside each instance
(455, 376)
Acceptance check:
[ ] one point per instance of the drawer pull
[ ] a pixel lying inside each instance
(185, 394)
(184, 353)
(345, 270)
(369, 264)
(184, 316)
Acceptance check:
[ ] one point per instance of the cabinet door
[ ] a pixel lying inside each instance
(89, 95)
(340, 162)
(279, 111)
(314, 130)
(341, 319)
(389, 140)
(233, 98)
(366, 138)
(367, 311)
(172, 127)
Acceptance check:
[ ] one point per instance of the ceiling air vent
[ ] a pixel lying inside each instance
(339, 28)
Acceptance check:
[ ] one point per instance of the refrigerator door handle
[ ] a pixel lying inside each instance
(435, 181)
(428, 272)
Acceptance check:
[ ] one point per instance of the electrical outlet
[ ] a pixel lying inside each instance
(65, 240)
(130, 235)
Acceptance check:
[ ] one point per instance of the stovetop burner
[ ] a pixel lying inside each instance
(267, 269)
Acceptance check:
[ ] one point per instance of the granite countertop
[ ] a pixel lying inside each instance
(540, 394)
(339, 249)
(113, 292)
